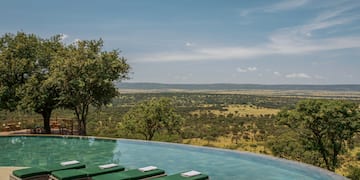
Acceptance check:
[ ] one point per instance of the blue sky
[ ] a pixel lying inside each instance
(208, 41)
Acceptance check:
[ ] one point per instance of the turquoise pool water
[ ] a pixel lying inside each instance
(219, 164)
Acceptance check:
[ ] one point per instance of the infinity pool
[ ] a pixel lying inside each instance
(218, 164)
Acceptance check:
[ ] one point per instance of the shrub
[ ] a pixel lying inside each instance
(358, 156)
(253, 145)
(354, 173)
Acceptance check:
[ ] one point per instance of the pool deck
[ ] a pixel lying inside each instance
(23, 131)
(6, 171)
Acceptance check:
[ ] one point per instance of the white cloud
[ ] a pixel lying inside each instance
(249, 69)
(298, 75)
(188, 44)
(76, 40)
(252, 68)
(281, 6)
(285, 44)
(277, 73)
(63, 36)
(213, 53)
(301, 39)
(241, 70)
(286, 5)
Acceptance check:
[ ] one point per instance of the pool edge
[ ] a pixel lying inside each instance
(265, 156)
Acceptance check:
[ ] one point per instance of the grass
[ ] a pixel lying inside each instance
(227, 143)
(349, 160)
(258, 147)
(239, 110)
(252, 145)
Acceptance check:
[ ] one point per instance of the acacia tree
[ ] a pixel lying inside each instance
(324, 126)
(18, 54)
(41, 92)
(24, 72)
(87, 75)
(150, 117)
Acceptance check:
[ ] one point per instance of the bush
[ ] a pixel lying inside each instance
(358, 156)
(354, 173)
(232, 146)
(246, 137)
(253, 145)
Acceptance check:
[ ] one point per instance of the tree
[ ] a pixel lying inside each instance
(41, 92)
(24, 68)
(287, 145)
(87, 75)
(18, 54)
(150, 117)
(324, 126)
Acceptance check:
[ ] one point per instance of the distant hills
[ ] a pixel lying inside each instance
(231, 87)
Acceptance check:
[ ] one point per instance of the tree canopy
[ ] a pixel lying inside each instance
(150, 117)
(41, 91)
(18, 54)
(43, 74)
(323, 126)
(87, 75)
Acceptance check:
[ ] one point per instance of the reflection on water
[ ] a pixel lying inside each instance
(219, 164)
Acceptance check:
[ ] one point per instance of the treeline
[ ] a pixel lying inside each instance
(217, 100)
(227, 87)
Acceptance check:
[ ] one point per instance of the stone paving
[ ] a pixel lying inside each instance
(6, 171)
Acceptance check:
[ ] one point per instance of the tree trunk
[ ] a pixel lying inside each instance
(150, 137)
(324, 156)
(81, 114)
(83, 127)
(46, 114)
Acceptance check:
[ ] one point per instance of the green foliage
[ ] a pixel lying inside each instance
(25, 70)
(41, 91)
(354, 173)
(323, 126)
(86, 75)
(43, 74)
(151, 117)
(287, 146)
(104, 127)
(18, 54)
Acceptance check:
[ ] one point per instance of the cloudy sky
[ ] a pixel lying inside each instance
(208, 41)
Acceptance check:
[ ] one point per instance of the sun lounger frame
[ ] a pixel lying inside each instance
(83, 178)
(38, 177)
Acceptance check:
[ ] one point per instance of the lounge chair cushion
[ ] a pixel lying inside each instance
(180, 177)
(132, 174)
(29, 172)
(95, 170)
(69, 174)
(85, 172)
(35, 171)
(58, 167)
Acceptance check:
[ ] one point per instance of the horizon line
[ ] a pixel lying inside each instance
(164, 83)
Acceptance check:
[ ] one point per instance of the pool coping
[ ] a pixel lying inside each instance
(251, 154)
(5, 171)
